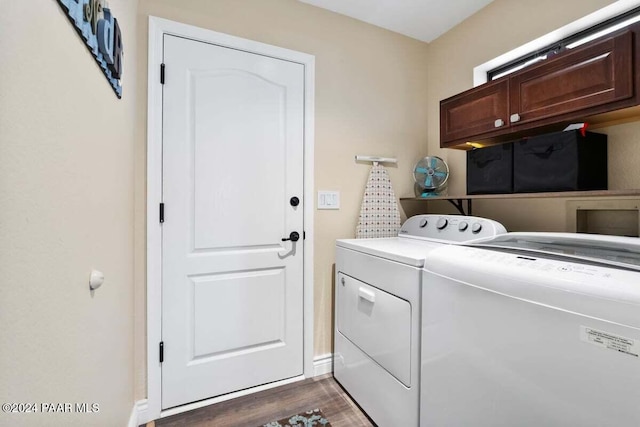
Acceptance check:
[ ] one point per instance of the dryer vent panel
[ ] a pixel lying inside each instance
(620, 217)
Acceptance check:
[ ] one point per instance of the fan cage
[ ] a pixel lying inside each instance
(431, 174)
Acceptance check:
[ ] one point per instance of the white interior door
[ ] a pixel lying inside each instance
(232, 290)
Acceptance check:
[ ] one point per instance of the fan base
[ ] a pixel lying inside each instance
(426, 195)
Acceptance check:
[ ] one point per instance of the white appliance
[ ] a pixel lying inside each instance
(530, 330)
(377, 312)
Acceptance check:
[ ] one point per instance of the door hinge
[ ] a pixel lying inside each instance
(162, 73)
(161, 213)
(161, 351)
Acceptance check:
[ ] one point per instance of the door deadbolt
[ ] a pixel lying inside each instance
(294, 201)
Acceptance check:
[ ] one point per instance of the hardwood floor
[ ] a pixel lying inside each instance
(260, 408)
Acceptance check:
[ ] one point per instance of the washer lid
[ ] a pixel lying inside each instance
(586, 288)
(617, 251)
(398, 249)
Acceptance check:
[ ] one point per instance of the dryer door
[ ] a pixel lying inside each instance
(378, 323)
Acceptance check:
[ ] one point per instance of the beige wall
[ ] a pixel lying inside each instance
(370, 99)
(70, 152)
(66, 173)
(501, 26)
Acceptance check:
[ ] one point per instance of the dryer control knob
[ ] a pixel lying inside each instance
(463, 226)
(476, 227)
(423, 223)
(442, 223)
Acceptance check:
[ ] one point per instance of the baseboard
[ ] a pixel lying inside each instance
(323, 364)
(139, 413)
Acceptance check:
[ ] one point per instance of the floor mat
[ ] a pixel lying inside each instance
(304, 419)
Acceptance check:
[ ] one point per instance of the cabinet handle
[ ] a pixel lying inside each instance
(515, 118)
(498, 123)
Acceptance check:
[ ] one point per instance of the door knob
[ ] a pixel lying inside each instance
(294, 201)
(294, 237)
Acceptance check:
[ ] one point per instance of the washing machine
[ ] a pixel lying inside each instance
(377, 312)
(530, 330)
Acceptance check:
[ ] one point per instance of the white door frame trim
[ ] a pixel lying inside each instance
(158, 27)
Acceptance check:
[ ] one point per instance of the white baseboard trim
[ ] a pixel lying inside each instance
(323, 364)
(139, 413)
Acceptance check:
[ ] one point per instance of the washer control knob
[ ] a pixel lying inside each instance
(476, 227)
(423, 222)
(442, 223)
(463, 226)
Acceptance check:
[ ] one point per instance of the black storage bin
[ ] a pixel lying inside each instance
(562, 161)
(490, 170)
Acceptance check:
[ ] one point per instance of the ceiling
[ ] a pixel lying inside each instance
(424, 20)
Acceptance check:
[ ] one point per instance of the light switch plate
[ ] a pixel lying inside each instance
(328, 200)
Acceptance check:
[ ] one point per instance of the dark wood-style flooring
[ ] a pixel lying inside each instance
(260, 408)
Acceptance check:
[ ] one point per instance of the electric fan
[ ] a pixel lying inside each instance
(430, 174)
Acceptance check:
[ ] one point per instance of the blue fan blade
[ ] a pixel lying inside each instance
(440, 174)
(434, 162)
(428, 182)
(421, 170)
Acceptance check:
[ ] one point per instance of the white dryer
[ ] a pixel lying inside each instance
(377, 312)
(530, 330)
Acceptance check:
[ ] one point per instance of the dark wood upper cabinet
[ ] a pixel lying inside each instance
(576, 85)
(597, 74)
(477, 111)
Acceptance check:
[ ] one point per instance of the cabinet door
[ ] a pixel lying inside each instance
(581, 79)
(475, 112)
